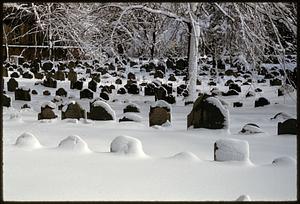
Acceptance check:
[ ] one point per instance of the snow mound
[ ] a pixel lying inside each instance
(283, 161)
(251, 129)
(107, 107)
(132, 116)
(127, 145)
(186, 156)
(28, 140)
(15, 116)
(231, 150)
(244, 198)
(74, 143)
(71, 120)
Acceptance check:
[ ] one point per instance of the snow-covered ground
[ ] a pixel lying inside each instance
(171, 163)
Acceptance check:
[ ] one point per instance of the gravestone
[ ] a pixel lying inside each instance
(261, 102)
(76, 85)
(27, 75)
(99, 110)
(46, 93)
(34, 92)
(86, 93)
(104, 96)
(149, 90)
(208, 112)
(59, 75)
(6, 100)
(47, 111)
(12, 84)
(72, 110)
(287, 127)
(50, 82)
(160, 113)
(61, 92)
(131, 108)
(22, 93)
(92, 85)
(72, 76)
(15, 75)
(122, 91)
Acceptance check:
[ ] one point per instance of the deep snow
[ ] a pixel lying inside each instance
(180, 162)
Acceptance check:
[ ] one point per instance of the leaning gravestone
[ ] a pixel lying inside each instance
(72, 110)
(208, 112)
(6, 100)
(99, 110)
(287, 127)
(23, 93)
(47, 111)
(12, 84)
(160, 113)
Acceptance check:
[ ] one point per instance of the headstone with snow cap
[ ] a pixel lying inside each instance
(27, 75)
(133, 89)
(122, 91)
(261, 102)
(6, 100)
(76, 85)
(72, 110)
(132, 107)
(59, 75)
(15, 75)
(47, 111)
(104, 96)
(287, 127)
(12, 84)
(86, 93)
(5, 72)
(61, 92)
(159, 74)
(131, 76)
(208, 112)
(118, 81)
(160, 113)
(50, 82)
(92, 85)
(46, 93)
(231, 92)
(149, 90)
(47, 66)
(23, 93)
(72, 76)
(172, 77)
(251, 128)
(235, 87)
(160, 93)
(100, 110)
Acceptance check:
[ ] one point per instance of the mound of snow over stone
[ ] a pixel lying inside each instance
(244, 198)
(132, 116)
(283, 161)
(107, 107)
(251, 129)
(231, 150)
(74, 143)
(28, 140)
(282, 116)
(162, 104)
(128, 146)
(186, 156)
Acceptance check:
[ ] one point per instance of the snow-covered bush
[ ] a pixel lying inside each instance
(27, 140)
(74, 143)
(127, 145)
(231, 150)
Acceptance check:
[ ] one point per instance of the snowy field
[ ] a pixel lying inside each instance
(177, 164)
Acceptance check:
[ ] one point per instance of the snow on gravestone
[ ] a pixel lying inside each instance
(99, 110)
(72, 110)
(251, 128)
(243, 198)
(127, 145)
(47, 111)
(28, 140)
(284, 161)
(74, 143)
(231, 150)
(159, 113)
(130, 116)
(208, 112)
